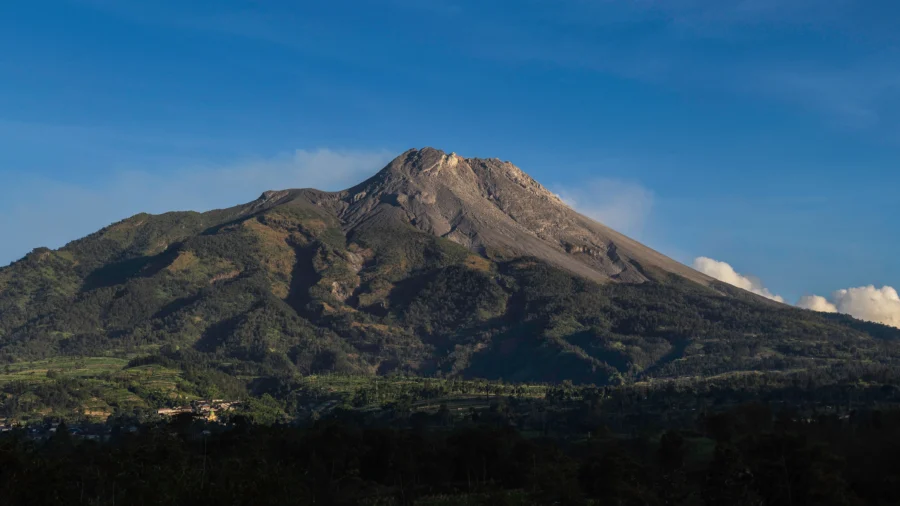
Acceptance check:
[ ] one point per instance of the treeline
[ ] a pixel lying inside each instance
(743, 457)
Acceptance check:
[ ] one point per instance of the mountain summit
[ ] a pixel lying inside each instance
(437, 265)
(494, 209)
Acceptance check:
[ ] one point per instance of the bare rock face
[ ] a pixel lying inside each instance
(493, 208)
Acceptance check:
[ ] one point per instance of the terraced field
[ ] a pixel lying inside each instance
(66, 366)
(90, 387)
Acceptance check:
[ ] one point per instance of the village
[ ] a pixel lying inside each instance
(208, 410)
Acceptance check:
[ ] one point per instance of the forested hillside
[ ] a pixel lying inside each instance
(302, 282)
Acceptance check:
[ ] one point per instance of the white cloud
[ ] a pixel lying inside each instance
(621, 205)
(817, 303)
(726, 273)
(40, 212)
(880, 305)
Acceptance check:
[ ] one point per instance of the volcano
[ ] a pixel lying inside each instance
(438, 265)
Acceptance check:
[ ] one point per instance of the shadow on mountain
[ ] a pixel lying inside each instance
(673, 355)
(522, 352)
(303, 278)
(119, 273)
(405, 291)
(175, 306)
(216, 335)
(591, 344)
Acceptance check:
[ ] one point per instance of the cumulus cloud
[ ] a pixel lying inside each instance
(880, 305)
(621, 205)
(726, 273)
(41, 212)
(817, 303)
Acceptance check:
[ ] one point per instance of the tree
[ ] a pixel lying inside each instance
(263, 411)
(729, 480)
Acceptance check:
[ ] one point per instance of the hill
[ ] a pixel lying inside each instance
(437, 266)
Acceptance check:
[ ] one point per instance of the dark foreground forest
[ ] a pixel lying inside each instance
(747, 455)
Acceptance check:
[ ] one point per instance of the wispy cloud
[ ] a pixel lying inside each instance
(686, 44)
(723, 17)
(97, 139)
(858, 97)
(744, 47)
(440, 7)
(40, 212)
(621, 205)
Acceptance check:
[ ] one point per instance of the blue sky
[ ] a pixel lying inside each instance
(762, 133)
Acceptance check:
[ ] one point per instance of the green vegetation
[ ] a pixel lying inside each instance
(157, 310)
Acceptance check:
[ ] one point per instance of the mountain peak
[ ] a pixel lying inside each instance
(489, 205)
(478, 172)
(415, 162)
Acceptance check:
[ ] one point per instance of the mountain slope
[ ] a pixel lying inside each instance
(437, 265)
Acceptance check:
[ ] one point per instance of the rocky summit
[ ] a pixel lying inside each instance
(493, 209)
(438, 265)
